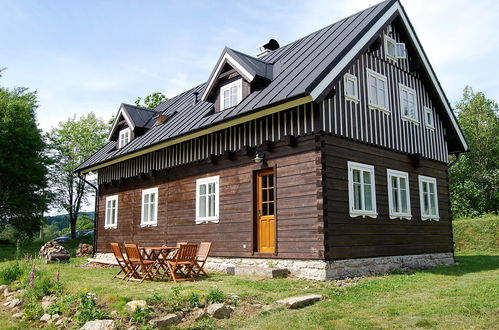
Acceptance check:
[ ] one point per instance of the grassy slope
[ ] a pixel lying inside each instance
(462, 296)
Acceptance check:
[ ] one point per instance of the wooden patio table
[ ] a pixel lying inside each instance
(159, 254)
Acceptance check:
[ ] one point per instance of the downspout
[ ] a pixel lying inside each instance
(95, 211)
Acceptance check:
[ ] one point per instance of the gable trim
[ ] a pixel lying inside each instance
(396, 8)
(227, 58)
(128, 120)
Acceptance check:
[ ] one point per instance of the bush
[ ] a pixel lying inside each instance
(13, 272)
(33, 310)
(140, 315)
(62, 306)
(88, 309)
(215, 295)
(193, 299)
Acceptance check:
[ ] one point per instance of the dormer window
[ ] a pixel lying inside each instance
(231, 94)
(124, 137)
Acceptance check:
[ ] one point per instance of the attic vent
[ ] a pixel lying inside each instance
(267, 47)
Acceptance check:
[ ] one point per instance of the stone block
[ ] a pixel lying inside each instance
(300, 301)
(132, 305)
(165, 321)
(219, 311)
(99, 325)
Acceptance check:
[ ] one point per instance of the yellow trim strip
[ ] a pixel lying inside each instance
(258, 114)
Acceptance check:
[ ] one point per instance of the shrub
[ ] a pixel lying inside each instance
(215, 295)
(32, 307)
(88, 309)
(140, 315)
(62, 306)
(13, 272)
(193, 299)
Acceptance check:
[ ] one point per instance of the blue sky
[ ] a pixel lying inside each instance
(84, 56)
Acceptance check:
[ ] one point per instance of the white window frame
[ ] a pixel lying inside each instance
(428, 110)
(350, 77)
(398, 47)
(206, 181)
(426, 179)
(398, 174)
(128, 133)
(239, 84)
(107, 224)
(151, 191)
(412, 92)
(385, 80)
(363, 212)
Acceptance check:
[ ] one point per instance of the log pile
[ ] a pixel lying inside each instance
(84, 250)
(54, 252)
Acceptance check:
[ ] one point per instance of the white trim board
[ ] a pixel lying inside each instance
(227, 58)
(373, 31)
(128, 120)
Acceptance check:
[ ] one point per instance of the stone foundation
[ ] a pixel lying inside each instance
(322, 270)
(337, 269)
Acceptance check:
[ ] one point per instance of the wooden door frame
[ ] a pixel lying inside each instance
(254, 199)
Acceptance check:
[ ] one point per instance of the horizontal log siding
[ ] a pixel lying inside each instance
(357, 121)
(298, 121)
(298, 205)
(358, 237)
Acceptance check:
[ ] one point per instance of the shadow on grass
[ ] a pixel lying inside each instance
(468, 264)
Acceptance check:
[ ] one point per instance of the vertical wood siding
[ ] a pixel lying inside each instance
(357, 121)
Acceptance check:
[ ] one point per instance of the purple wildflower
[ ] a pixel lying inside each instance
(25, 258)
(32, 278)
(30, 258)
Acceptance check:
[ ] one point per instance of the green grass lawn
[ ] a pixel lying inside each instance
(462, 296)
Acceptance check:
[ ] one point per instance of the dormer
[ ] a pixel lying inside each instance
(235, 76)
(131, 121)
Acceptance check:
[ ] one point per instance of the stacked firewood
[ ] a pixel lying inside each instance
(84, 250)
(54, 252)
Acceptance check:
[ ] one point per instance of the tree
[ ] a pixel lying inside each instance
(474, 179)
(70, 143)
(151, 101)
(22, 162)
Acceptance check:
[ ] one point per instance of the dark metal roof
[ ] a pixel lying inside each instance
(296, 70)
(141, 117)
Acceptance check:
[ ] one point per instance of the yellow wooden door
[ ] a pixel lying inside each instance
(265, 207)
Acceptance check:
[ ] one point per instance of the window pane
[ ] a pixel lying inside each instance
(271, 180)
(367, 177)
(146, 199)
(152, 198)
(264, 181)
(265, 209)
(202, 206)
(271, 194)
(373, 93)
(395, 200)
(403, 197)
(368, 202)
(145, 214)
(211, 205)
(202, 189)
(211, 188)
(381, 94)
(356, 176)
(350, 87)
(357, 196)
(271, 208)
(152, 209)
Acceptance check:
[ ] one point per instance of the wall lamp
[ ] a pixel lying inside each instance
(259, 157)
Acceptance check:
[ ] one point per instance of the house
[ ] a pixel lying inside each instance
(327, 156)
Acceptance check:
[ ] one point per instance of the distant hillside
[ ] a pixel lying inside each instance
(480, 235)
(61, 221)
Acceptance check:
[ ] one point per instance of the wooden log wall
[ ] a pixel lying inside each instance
(299, 219)
(358, 237)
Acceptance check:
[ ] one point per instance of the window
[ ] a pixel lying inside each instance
(361, 190)
(207, 199)
(149, 207)
(124, 137)
(394, 50)
(351, 89)
(428, 198)
(231, 94)
(428, 116)
(398, 194)
(377, 90)
(408, 105)
(111, 212)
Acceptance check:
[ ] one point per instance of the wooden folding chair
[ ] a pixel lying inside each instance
(201, 257)
(122, 262)
(180, 267)
(141, 269)
(180, 243)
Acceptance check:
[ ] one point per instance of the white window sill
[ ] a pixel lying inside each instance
(391, 58)
(111, 227)
(401, 216)
(412, 120)
(149, 224)
(375, 107)
(430, 127)
(428, 217)
(352, 99)
(200, 221)
(363, 214)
